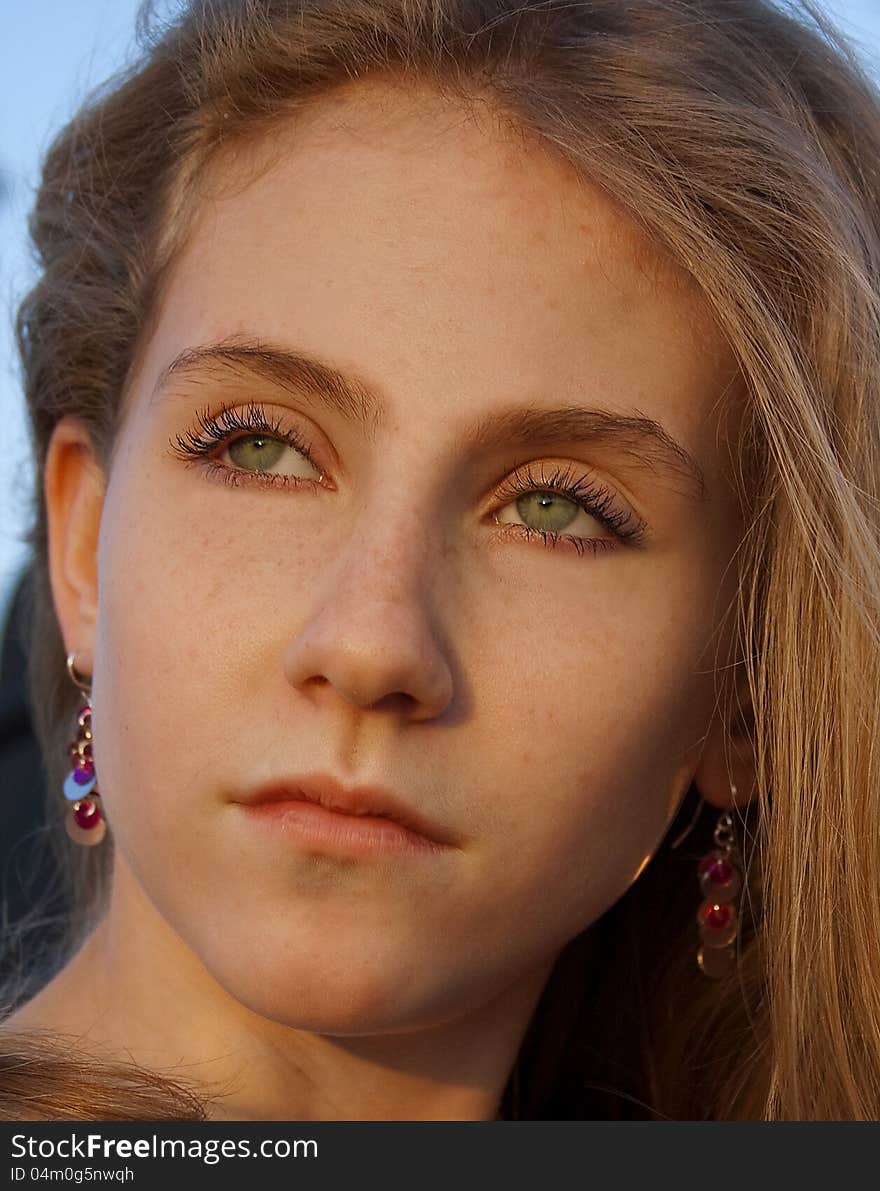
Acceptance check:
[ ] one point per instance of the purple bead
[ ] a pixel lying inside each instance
(83, 774)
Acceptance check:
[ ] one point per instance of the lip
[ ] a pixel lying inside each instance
(368, 818)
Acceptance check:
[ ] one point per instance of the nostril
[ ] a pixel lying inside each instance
(395, 701)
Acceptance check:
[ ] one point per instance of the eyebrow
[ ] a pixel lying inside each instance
(643, 438)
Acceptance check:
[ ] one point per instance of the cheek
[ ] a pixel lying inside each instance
(193, 583)
(193, 579)
(160, 694)
(595, 731)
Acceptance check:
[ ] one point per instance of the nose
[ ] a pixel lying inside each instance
(372, 636)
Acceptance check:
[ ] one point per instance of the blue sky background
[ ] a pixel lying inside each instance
(52, 54)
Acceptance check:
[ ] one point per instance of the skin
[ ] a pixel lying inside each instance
(549, 708)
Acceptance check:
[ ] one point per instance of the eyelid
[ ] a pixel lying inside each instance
(229, 424)
(574, 482)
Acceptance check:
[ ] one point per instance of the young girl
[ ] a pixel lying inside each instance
(456, 579)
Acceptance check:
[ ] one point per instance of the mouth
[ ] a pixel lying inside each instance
(374, 806)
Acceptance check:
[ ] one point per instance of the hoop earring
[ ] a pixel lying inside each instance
(720, 876)
(85, 823)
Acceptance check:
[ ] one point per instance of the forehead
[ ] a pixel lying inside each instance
(433, 245)
(447, 150)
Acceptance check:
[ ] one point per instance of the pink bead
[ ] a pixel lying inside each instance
(719, 877)
(717, 922)
(718, 916)
(87, 814)
(716, 867)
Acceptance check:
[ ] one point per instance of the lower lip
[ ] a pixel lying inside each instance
(357, 835)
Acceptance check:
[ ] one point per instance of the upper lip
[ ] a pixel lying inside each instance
(326, 791)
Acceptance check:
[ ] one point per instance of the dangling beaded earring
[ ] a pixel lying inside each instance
(720, 877)
(85, 823)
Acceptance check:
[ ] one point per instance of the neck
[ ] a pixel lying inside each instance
(135, 991)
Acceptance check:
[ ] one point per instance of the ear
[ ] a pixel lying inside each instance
(73, 486)
(728, 755)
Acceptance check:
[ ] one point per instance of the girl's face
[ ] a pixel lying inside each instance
(404, 621)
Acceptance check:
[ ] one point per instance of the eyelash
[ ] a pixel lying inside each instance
(591, 496)
(595, 500)
(216, 431)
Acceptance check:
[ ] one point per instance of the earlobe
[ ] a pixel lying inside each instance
(728, 757)
(73, 487)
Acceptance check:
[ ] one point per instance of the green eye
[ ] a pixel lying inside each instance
(547, 504)
(254, 443)
(256, 453)
(551, 511)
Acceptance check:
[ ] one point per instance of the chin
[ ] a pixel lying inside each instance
(350, 996)
(327, 994)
